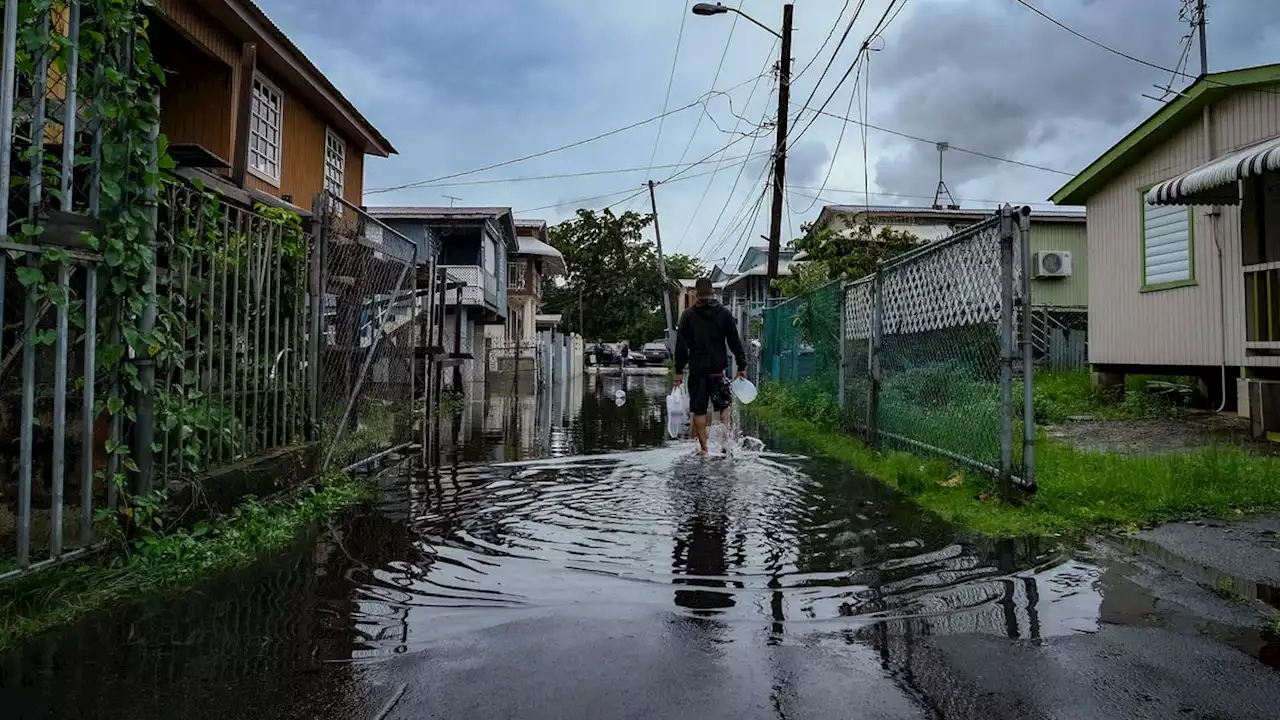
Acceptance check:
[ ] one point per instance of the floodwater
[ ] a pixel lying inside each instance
(558, 558)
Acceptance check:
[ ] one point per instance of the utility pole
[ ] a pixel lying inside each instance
(662, 268)
(1204, 49)
(780, 154)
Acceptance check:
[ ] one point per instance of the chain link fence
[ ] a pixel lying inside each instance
(369, 322)
(924, 353)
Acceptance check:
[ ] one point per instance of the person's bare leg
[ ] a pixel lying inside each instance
(700, 423)
(726, 418)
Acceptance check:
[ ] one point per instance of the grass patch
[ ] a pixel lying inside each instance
(1061, 395)
(1080, 491)
(169, 561)
(1227, 591)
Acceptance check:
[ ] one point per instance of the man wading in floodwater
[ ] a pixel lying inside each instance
(705, 330)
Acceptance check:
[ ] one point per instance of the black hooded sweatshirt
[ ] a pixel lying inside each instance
(705, 330)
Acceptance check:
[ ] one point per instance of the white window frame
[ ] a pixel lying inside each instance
(333, 143)
(278, 149)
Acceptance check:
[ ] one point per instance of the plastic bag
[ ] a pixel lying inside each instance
(677, 412)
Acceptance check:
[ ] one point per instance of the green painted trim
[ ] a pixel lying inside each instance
(1168, 286)
(1142, 248)
(1156, 127)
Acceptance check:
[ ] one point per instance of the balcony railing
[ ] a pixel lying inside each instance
(480, 289)
(1262, 306)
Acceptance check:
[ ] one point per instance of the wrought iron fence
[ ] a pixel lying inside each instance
(266, 335)
(923, 353)
(237, 283)
(51, 429)
(372, 316)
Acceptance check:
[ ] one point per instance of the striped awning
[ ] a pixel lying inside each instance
(1214, 183)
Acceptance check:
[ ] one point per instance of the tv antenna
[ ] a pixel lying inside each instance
(942, 185)
(452, 199)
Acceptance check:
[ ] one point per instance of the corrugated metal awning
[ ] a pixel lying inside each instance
(1215, 182)
(552, 261)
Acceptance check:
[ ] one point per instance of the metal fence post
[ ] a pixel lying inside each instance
(413, 329)
(316, 321)
(144, 430)
(874, 339)
(1006, 351)
(843, 365)
(1028, 358)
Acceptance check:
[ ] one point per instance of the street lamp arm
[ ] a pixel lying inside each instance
(759, 24)
(708, 9)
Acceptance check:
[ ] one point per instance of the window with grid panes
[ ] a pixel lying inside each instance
(335, 163)
(266, 125)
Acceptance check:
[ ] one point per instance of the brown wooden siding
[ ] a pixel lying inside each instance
(196, 99)
(1180, 326)
(353, 187)
(199, 27)
(200, 105)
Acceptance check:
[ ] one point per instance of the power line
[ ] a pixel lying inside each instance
(577, 201)
(706, 159)
(714, 79)
(621, 192)
(831, 60)
(864, 191)
(1090, 40)
(702, 99)
(880, 27)
(585, 173)
(666, 102)
(707, 189)
(952, 147)
(752, 220)
(866, 142)
(835, 155)
(727, 201)
(716, 246)
(739, 215)
(1127, 56)
(830, 34)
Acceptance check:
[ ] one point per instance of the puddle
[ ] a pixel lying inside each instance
(574, 512)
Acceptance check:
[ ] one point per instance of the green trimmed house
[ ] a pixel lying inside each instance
(1184, 235)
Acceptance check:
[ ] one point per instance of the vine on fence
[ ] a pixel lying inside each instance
(120, 95)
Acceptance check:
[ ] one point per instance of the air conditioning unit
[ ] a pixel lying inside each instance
(1051, 264)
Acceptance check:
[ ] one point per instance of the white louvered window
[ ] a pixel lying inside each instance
(1168, 252)
(335, 163)
(266, 128)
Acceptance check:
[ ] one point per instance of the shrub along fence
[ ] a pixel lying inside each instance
(925, 352)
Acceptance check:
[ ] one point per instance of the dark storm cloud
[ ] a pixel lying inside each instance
(997, 78)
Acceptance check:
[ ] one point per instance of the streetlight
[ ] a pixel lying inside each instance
(784, 100)
(707, 10)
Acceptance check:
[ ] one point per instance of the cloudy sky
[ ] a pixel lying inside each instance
(460, 85)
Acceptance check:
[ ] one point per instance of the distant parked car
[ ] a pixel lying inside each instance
(656, 352)
(603, 354)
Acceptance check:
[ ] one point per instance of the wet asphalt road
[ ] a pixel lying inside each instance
(558, 561)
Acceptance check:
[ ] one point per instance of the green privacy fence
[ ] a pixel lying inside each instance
(925, 353)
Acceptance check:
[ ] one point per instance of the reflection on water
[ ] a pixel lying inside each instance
(526, 512)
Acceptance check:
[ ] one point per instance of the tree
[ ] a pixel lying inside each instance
(805, 276)
(613, 287)
(684, 267)
(831, 255)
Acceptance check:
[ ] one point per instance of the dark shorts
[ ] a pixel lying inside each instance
(709, 390)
